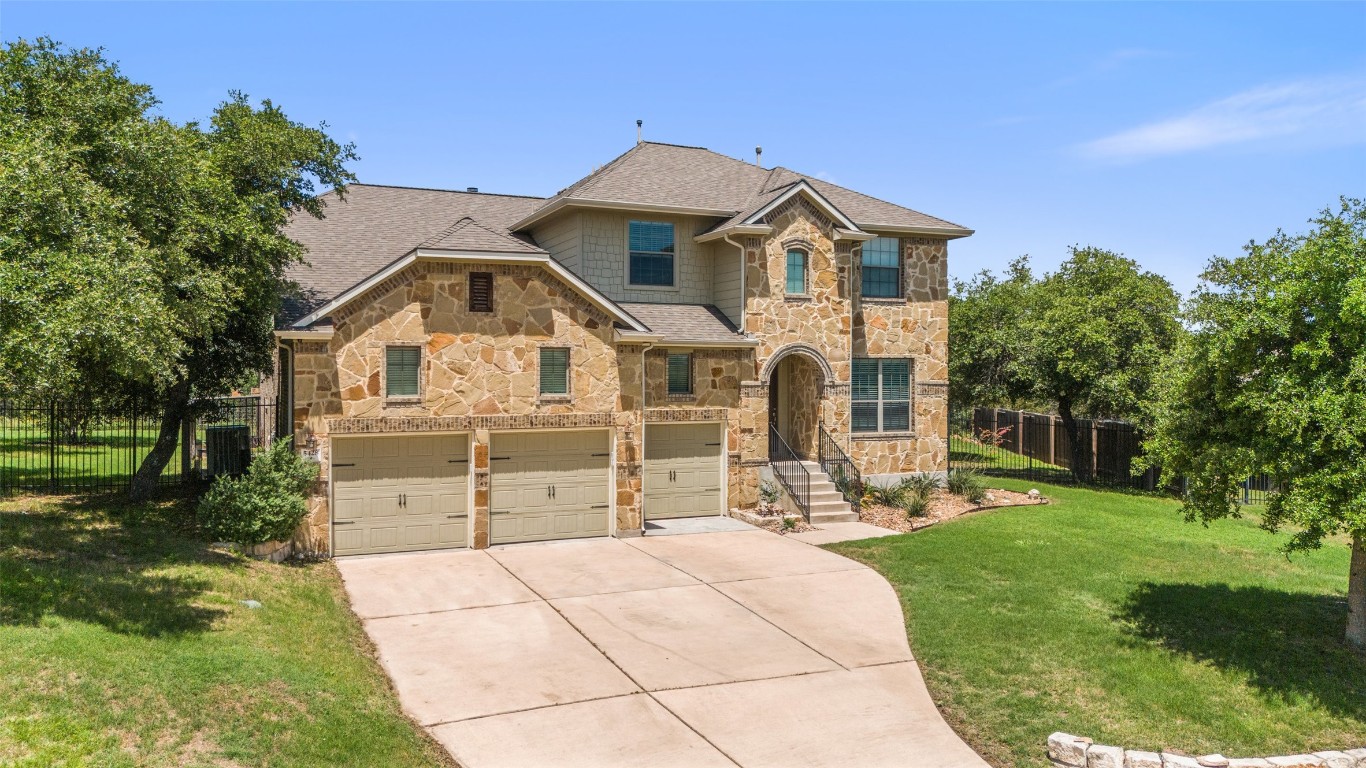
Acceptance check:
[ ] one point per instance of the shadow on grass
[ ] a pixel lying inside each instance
(98, 561)
(1289, 644)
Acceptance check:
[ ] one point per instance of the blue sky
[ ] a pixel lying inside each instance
(1166, 131)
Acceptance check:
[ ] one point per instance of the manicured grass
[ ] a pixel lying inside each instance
(124, 643)
(1105, 614)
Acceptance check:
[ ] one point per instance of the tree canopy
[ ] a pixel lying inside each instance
(1272, 380)
(1087, 340)
(138, 252)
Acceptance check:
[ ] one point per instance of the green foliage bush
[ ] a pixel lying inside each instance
(264, 504)
(968, 484)
(894, 495)
(917, 505)
(924, 486)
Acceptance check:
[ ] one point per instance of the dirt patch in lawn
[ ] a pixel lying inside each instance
(943, 506)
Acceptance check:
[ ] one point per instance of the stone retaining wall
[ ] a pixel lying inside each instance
(1070, 751)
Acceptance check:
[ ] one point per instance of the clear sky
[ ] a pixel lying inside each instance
(1166, 131)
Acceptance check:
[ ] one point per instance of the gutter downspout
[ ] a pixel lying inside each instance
(645, 348)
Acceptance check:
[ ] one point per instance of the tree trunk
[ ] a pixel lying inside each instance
(1356, 594)
(1081, 454)
(144, 484)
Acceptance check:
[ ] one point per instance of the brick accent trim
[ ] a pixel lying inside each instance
(664, 415)
(356, 426)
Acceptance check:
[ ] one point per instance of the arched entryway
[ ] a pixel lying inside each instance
(796, 376)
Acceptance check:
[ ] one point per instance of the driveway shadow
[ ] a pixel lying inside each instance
(70, 558)
(1289, 644)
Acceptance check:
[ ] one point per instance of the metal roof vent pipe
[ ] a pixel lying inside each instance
(639, 123)
(758, 155)
(471, 189)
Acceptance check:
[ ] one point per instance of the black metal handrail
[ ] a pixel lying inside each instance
(836, 463)
(788, 468)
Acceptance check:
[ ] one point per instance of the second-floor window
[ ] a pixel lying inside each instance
(796, 271)
(402, 371)
(680, 373)
(880, 395)
(554, 371)
(651, 253)
(882, 268)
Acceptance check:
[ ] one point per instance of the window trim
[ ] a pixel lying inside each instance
(673, 285)
(541, 394)
(469, 288)
(900, 271)
(805, 292)
(384, 372)
(668, 378)
(881, 403)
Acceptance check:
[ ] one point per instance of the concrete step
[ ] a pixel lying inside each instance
(817, 518)
(831, 496)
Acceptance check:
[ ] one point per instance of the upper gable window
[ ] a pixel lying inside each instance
(402, 371)
(882, 268)
(481, 291)
(651, 254)
(796, 272)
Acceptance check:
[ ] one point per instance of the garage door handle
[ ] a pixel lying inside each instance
(602, 454)
(504, 512)
(598, 506)
(499, 458)
(343, 465)
(458, 461)
(343, 522)
(457, 517)
(713, 443)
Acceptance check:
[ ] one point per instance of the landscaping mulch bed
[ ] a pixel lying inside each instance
(775, 525)
(943, 506)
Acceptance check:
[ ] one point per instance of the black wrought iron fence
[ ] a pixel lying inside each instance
(787, 466)
(1036, 446)
(64, 447)
(836, 463)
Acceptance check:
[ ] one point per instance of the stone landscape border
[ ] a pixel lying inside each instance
(1068, 751)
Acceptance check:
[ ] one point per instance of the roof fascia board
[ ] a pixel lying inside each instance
(616, 205)
(948, 233)
(798, 188)
(844, 234)
(316, 334)
(594, 297)
(710, 344)
(739, 229)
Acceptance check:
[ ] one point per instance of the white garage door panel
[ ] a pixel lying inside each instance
(549, 485)
(399, 493)
(682, 470)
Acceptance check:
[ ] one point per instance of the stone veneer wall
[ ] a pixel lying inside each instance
(842, 325)
(1070, 751)
(478, 374)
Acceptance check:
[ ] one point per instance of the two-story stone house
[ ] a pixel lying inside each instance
(475, 369)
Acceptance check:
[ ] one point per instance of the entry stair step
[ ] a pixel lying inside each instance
(827, 504)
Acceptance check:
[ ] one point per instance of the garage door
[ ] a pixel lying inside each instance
(682, 470)
(548, 485)
(399, 493)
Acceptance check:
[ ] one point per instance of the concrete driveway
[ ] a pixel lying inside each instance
(711, 649)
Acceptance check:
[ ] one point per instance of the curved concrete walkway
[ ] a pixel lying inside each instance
(711, 649)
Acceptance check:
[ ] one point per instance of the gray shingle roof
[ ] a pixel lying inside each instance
(377, 224)
(684, 322)
(693, 177)
(469, 235)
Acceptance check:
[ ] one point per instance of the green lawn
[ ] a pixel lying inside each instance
(124, 643)
(1105, 615)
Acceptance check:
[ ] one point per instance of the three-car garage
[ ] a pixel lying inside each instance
(406, 492)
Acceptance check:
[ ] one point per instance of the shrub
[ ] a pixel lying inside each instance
(264, 504)
(917, 506)
(968, 484)
(924, 486)
(770, 492)
(894, 495)
(789, 523)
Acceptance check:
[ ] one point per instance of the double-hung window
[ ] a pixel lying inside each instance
(881, 395)
(680, 373)
(554, 371)
(796, 272)
(402, 371)
(651, 253)
(882, 268)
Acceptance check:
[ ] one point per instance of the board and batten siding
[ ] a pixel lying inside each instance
(563, 238)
